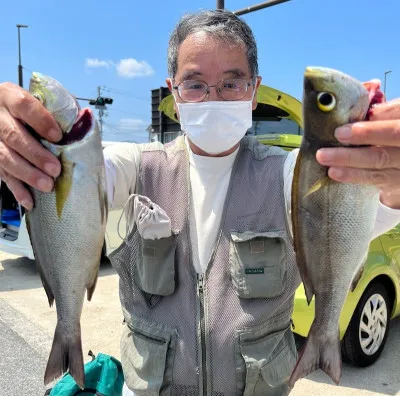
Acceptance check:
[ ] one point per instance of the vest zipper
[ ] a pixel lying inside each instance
(203, 369)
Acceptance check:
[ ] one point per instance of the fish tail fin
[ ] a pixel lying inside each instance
(66, 353)
(320, 351)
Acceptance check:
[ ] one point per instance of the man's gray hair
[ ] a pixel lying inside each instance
(221, 24)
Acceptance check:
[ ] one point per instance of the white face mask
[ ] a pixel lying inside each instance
(215, 127)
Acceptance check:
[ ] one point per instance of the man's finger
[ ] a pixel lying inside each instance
(378, 133)
(21, 169)
(15, 136)
(22, 105)
(385, 111)
(364, 157)
(379, 178)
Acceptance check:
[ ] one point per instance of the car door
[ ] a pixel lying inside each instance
(391, 245)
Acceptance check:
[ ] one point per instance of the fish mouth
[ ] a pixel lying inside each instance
(37, 77)
(82, 126)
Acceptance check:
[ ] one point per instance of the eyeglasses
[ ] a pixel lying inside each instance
(195, 90)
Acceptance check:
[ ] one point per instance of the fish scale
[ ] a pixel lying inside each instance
(332, 222)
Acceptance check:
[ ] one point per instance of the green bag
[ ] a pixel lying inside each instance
(103, 377)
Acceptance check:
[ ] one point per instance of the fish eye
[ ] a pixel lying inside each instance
(326, 101)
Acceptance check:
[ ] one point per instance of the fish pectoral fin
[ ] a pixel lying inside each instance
(318, 185)
(63, 184)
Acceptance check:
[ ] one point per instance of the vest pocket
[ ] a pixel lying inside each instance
(258, 263)
(269, 361)
(147, 355)
(155, 266)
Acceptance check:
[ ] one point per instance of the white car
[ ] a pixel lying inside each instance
(14, 239)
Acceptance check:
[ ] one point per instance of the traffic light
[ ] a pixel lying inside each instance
(101, 101)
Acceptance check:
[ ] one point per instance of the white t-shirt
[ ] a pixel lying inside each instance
(209, 181)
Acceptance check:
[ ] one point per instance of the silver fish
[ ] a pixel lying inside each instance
(67, 226)
(332, 222)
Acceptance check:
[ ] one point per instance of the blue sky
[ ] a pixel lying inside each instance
(121, 45)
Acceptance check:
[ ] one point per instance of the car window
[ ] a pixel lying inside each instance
(274, 125)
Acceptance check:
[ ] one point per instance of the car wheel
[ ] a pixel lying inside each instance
(366, 335)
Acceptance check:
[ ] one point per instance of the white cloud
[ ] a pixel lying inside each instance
(132, 124)
(131, 68)
(126, 68)
(95, 63)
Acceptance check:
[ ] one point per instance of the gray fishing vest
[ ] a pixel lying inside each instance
(226, 332)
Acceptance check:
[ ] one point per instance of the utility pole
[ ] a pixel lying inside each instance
(101, 112)
(270, 3)
(20, 75)
(384, 84)
(260, 6)
(100, 104)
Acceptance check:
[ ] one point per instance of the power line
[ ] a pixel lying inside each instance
(128, 113)
(124, 93)
(30, 71)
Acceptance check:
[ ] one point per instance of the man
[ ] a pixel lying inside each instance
(195, 324)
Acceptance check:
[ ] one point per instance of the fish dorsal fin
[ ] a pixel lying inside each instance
(300, 258)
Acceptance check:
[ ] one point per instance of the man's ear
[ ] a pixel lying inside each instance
(258, 83)
(170, 85)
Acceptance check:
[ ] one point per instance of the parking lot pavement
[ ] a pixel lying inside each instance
(27, 325)
(21, 364)
(382, 378)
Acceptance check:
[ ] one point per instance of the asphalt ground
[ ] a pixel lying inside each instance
(27, 324)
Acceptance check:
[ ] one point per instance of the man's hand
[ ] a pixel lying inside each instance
(22, 158)
(379, 162)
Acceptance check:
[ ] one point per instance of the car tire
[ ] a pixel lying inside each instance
(367, 333)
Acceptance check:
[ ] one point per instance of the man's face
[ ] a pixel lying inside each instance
(202, 57)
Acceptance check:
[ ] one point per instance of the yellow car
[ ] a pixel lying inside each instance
(365, 318)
